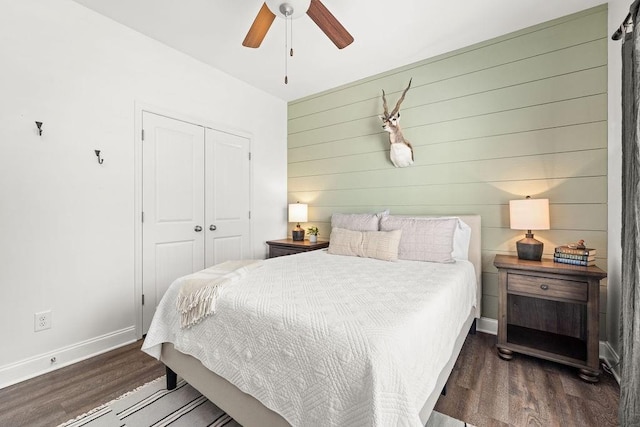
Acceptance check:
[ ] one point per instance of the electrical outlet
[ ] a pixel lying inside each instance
(42, 321)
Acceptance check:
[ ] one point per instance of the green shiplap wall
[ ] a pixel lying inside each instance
(523, 114)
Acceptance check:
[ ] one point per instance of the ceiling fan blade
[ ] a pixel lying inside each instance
(259, 28)
(329, 24)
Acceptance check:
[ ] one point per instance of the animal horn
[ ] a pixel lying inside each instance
(384, 104)
(395, 110)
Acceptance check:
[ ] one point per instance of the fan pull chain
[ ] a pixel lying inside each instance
(286, 31)
(291, 39)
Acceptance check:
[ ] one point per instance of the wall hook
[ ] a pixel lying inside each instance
(39, 124)
(98, 155)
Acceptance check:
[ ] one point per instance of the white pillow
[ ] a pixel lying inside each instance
(381, 245)
(461, 240)
(358, 222)
(423, 239)
(345, 242)
(461, 237)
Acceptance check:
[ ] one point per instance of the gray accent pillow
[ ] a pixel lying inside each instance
(423, 239)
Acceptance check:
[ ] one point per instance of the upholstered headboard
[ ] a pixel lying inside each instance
(475, 253)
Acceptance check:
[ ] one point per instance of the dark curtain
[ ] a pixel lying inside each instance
(629, 412)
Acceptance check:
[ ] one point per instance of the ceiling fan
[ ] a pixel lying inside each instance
(293, 9)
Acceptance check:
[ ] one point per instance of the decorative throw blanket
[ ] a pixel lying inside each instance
(200, 291)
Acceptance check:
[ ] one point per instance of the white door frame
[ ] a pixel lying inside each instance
(139, 108)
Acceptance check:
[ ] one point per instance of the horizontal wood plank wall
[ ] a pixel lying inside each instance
(523, 114)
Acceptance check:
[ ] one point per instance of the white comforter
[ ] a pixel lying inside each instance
(330, 340)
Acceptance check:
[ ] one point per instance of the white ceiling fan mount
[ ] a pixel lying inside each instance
(288, 8)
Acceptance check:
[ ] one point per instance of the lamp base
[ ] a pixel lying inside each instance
(297, 235)
(529, 248)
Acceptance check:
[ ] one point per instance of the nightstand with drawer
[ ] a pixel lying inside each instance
(550, 310)
(289, 246)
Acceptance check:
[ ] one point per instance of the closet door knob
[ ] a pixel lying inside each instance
(213, 227)
(197, 228)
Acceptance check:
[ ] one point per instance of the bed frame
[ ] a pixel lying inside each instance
(249, 412)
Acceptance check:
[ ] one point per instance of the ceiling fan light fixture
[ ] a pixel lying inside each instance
(288, 8)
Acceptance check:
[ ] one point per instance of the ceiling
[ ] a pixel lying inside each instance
(387, 35)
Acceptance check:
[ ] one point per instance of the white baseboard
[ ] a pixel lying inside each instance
(42, 363)
(487, 325)
(490, 326)
(611, 358)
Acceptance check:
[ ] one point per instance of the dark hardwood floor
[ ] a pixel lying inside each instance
(56, 397)
(483, 390)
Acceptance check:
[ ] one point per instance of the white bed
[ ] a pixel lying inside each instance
(320, 339)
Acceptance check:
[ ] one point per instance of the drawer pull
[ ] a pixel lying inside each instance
(544, 287)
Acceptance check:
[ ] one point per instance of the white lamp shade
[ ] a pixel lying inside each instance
(298, 212)
(529, 214)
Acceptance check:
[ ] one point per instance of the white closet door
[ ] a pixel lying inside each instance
(227, 197)
(172, 204)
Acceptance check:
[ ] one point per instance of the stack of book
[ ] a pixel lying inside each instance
(574, 256)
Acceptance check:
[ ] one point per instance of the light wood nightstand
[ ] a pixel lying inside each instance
(550, 310)
(289, 246)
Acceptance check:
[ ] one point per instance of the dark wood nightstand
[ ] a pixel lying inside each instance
(289, 246)
(550, 310)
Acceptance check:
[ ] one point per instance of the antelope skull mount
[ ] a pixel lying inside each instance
(400, 150)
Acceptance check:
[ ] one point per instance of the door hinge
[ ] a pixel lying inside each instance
(143, 134)
(249, 155)
(142, 216)
(142, 299)
(249, 214)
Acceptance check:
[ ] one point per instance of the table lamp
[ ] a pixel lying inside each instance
(529, 214)
(297, 213)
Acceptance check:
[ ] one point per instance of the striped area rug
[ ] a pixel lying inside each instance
(152, 405)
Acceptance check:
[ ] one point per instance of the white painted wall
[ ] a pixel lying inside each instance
(67, 223)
